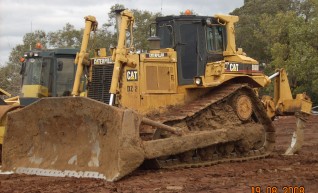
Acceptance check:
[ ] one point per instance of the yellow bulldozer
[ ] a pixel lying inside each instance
(45, 73)
(190, 101)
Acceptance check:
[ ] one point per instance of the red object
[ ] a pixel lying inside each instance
(38, 46)
(188, 12)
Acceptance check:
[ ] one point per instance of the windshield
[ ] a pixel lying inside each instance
(36, 71)
(215, 37)
(166, 36)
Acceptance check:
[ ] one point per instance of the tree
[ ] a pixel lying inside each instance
(107, 35)
(67, 37)
(283, 34)
(250, 15)
(10, 79)
(143, 20)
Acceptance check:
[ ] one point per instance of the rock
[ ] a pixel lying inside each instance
(286, 169)
(174, 188)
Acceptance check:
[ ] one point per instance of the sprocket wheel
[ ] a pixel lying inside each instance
(243, 107)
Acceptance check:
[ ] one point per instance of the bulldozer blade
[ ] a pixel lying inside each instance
(72, 136)
(298, 135)
(81, 137)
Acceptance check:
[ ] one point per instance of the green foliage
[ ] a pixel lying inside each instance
(143, 20)
(65, 38)
(106, 35)
(10, 79)
(283, 34)
(248, 28)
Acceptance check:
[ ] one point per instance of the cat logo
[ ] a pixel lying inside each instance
(156, 55)
(132, 75)
(255, 67)
(98, 61)
(234, 67)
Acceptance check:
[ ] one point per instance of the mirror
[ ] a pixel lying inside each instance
(22, 68)
(59, 65)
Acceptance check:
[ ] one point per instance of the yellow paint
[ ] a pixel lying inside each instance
(82, 57)
(283, 99)
(229, 21)
(2, 129)
(149, 82)
(35, 91)
(14, 101)
(3, 92)
(269, 106)
(83, 94)
(282, 89)
(241, 59)
(259, 80)
(156, 86)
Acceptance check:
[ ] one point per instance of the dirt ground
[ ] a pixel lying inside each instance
(275, 174)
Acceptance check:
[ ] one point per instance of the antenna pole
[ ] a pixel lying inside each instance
(31, 37)
(161, 7)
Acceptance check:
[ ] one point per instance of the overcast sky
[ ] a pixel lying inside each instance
(16, 16)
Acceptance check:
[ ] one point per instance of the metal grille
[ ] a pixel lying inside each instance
(101, 81)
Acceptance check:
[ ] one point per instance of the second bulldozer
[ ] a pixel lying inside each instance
(44, 73)
(190, 101)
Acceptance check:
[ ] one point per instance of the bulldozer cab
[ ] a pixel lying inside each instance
(47, 73)
(198, 40)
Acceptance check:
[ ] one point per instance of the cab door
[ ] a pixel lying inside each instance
(187, 53)
(191, 52)
(64, 76)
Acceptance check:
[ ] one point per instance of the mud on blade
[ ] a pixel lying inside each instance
(72, 136)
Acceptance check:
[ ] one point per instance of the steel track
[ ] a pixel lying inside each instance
(199, 106)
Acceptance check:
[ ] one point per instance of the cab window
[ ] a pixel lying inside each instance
(65, 76)
(215, 38)
(36, 71)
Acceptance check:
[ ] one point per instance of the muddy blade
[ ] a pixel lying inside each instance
(72, 136)
(298, 136)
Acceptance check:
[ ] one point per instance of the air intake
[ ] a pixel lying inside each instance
(101, 81)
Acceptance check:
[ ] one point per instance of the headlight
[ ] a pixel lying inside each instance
(198, 81)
